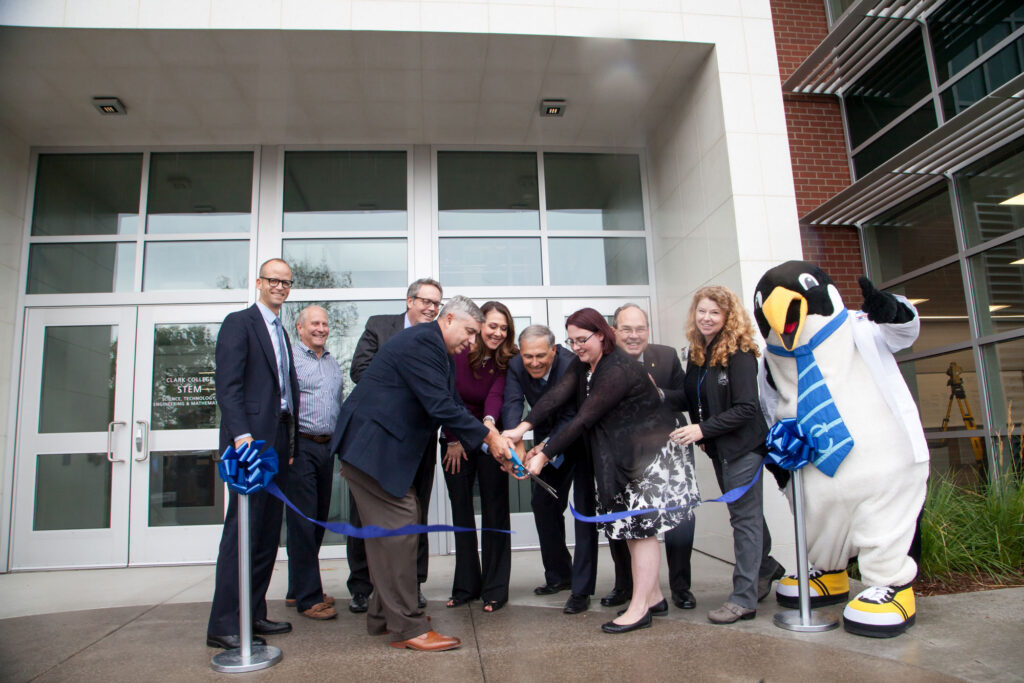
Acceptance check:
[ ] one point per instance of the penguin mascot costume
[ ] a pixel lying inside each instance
(833, 371)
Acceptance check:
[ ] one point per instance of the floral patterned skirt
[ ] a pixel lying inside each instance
(669, 481)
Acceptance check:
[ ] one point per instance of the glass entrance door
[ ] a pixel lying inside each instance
(117, 433)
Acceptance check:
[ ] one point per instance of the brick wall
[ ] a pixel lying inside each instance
(817, 146)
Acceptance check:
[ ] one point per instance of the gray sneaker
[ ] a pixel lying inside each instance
(730, 612)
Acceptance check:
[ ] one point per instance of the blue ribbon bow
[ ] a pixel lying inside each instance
(789, 446)
(249, 469)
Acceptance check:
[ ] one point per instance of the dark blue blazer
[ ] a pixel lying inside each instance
(248, 391)
(519, 386)
(405, 393)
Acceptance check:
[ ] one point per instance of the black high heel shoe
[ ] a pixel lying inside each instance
(643, 622)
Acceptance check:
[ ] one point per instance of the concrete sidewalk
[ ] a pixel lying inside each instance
(149, 624)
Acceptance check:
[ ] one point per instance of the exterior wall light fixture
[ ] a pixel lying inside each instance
(552, 107)
(109, 106)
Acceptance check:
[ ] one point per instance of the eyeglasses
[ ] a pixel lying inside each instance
(629, 331)
(579, 342)
(429, 303)
(274, 282)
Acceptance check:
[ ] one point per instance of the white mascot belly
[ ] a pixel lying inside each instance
(867, 506)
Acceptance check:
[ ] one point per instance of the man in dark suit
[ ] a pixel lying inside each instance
(422, 302)
(258, 395)
(540, 364)
(632, 332)
(405, 394)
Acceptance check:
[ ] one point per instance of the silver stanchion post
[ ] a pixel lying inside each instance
(803, 619)
(248, 657)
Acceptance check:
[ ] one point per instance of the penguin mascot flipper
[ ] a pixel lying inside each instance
(835, 374)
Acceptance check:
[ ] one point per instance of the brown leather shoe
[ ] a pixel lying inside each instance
(320, 610)
(431, 641)
(329, 599)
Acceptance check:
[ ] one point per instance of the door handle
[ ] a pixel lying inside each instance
(110, 439)
(142, 440)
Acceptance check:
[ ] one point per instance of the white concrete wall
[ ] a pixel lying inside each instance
(14, 165)
(724, 210)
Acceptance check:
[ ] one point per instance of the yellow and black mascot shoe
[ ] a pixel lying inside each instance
(881, 611)
(827, 588)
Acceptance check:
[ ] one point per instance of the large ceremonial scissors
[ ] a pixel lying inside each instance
(520, 469)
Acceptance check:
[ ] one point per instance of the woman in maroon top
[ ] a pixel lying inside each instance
(480, 381)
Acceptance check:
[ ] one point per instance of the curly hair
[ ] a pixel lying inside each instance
(736, 335)
(506, 351)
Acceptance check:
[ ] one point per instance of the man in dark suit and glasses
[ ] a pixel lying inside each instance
(405, 394)
(258, 395)
(422, 302)
(632, 333)
(540, 364)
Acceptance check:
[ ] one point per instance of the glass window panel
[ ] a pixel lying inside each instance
(929, 380)
(72, 492)
(888, 89)
(998, 276)
(346, 321)
(84, 267)
(184, 489)
(199, 192)
(593, 192)
(598, 261)
(899, 137)
(487, 191)
(964, 458)
(489, 261)
(184, 395)
(836, 8)
(345, 191)
(1004, 376)
(911, 236)
(196, 265)
(939, 299)
(984, 187)
(333, 264)
(87, 194)
(983, 79)
(963, 30)
(77, 385)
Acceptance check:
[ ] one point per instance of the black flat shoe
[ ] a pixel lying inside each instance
(266, 627)
(457, 602)
(684, 600)
(360, 603)
(643, 622)
(231, 642)
(659, 610)
(616, 597)
(421, 600)
(551, 589)
(576, 604)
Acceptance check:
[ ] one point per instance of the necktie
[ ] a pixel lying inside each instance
(815, 410)
(282, 364)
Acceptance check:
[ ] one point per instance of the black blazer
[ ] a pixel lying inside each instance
(622, 420)
(733, 424)
(248, 391)
(379, 329)
(405, 393)
(520, 388)
(662, 363)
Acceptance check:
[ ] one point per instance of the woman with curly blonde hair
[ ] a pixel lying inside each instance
(726, 421)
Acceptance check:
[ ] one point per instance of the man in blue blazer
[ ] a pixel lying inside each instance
(540, 364)
(405, 393)
(258, 395)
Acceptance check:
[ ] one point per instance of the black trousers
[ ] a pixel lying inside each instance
(678, 550)
(485, 576)
(309, 488)
(580, 570)
(359, 572)
(265, 514)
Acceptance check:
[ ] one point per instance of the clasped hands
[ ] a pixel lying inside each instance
(533, 461)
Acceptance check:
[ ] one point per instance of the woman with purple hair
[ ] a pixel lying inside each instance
(625, 426)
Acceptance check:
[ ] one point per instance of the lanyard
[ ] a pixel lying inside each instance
(700, 381)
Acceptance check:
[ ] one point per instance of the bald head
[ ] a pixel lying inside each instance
(313, 328)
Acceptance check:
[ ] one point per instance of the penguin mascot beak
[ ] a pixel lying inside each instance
(786, 295)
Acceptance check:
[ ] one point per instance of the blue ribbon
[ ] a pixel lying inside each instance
(248, 470)
(790, 446)
(730, 496)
